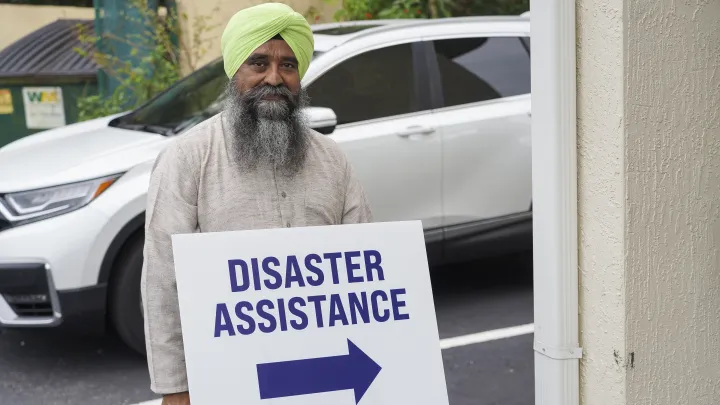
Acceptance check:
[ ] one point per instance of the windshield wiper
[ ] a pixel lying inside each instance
(191, 122)
(157, 129)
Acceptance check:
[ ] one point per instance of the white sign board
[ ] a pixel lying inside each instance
(329, 315)
(44, 107)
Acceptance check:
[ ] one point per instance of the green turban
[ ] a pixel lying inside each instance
(250, 28)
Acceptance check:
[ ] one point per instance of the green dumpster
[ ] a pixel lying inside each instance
(41, 78)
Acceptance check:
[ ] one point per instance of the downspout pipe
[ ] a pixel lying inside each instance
(554, 190)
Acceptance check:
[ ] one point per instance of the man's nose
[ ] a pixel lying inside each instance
(273, 77)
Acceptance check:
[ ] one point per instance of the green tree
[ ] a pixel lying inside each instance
(163, 48)
(352, 10)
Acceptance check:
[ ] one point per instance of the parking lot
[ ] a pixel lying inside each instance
(493, 368)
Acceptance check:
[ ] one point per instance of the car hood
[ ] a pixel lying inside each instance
(74, 153)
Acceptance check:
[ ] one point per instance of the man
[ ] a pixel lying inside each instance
(255, 165)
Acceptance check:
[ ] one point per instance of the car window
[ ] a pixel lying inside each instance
(526, 43)
(186, 103)
(374, 84)
(196, 96)
(482, 68)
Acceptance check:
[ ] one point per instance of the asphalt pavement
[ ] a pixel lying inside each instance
(53, 367)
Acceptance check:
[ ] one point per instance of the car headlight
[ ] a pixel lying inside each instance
(32, 205)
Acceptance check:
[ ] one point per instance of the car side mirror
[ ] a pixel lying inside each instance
(321, 119)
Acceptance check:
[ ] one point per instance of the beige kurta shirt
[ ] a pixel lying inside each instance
(196, 187)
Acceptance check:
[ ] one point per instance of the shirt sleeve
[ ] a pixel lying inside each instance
(357, 207)
(171, 209)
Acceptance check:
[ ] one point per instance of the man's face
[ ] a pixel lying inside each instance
(272, 64)
(265, 102)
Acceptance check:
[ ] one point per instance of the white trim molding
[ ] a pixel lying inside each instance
(554, 189)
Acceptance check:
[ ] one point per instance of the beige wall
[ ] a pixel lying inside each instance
(16, 21)
(601, 201)
(673, 210)
(649, 201)
(219, 13)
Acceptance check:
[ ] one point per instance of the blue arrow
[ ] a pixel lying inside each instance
(353, 371)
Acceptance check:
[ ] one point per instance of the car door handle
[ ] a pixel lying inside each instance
(416, 130)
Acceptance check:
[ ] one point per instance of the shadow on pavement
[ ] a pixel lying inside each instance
(60, 367)
(481, 296)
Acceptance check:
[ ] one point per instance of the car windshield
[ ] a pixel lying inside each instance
(185, 104)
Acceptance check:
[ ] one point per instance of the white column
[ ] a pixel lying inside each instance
(554, 202)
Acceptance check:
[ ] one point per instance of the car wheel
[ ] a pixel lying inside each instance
(125, 301)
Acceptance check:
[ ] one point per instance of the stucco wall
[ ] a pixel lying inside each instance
(16, 21)
(601, 200)
(220, 12)
(672, 137)
(649, 201)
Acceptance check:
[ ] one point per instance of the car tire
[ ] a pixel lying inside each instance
(124, 300)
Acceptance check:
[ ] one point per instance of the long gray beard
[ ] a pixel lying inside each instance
(268, 133)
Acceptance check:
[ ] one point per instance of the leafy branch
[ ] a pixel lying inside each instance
(157, 51)
(352, 10)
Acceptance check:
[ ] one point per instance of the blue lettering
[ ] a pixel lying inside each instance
(337, 311)
(333, 265)
(372, 262)
(256, 273)
(267, 316)
(317, 299)
(292, 273)
(396, 304)
(315, 270)
(374, 296)
(272, 273)
(359, 307)
(232, 267)
(245, 317)
(222, 321)
(281, 312)
(351, 267)
(293, 303)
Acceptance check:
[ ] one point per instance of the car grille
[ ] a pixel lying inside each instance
(36, 305)
(26, 289)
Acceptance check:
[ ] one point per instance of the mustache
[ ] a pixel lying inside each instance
(257, 94)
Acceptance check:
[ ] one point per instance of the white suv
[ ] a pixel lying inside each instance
(433, 114)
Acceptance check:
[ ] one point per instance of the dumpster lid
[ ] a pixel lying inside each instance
(49, 51)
